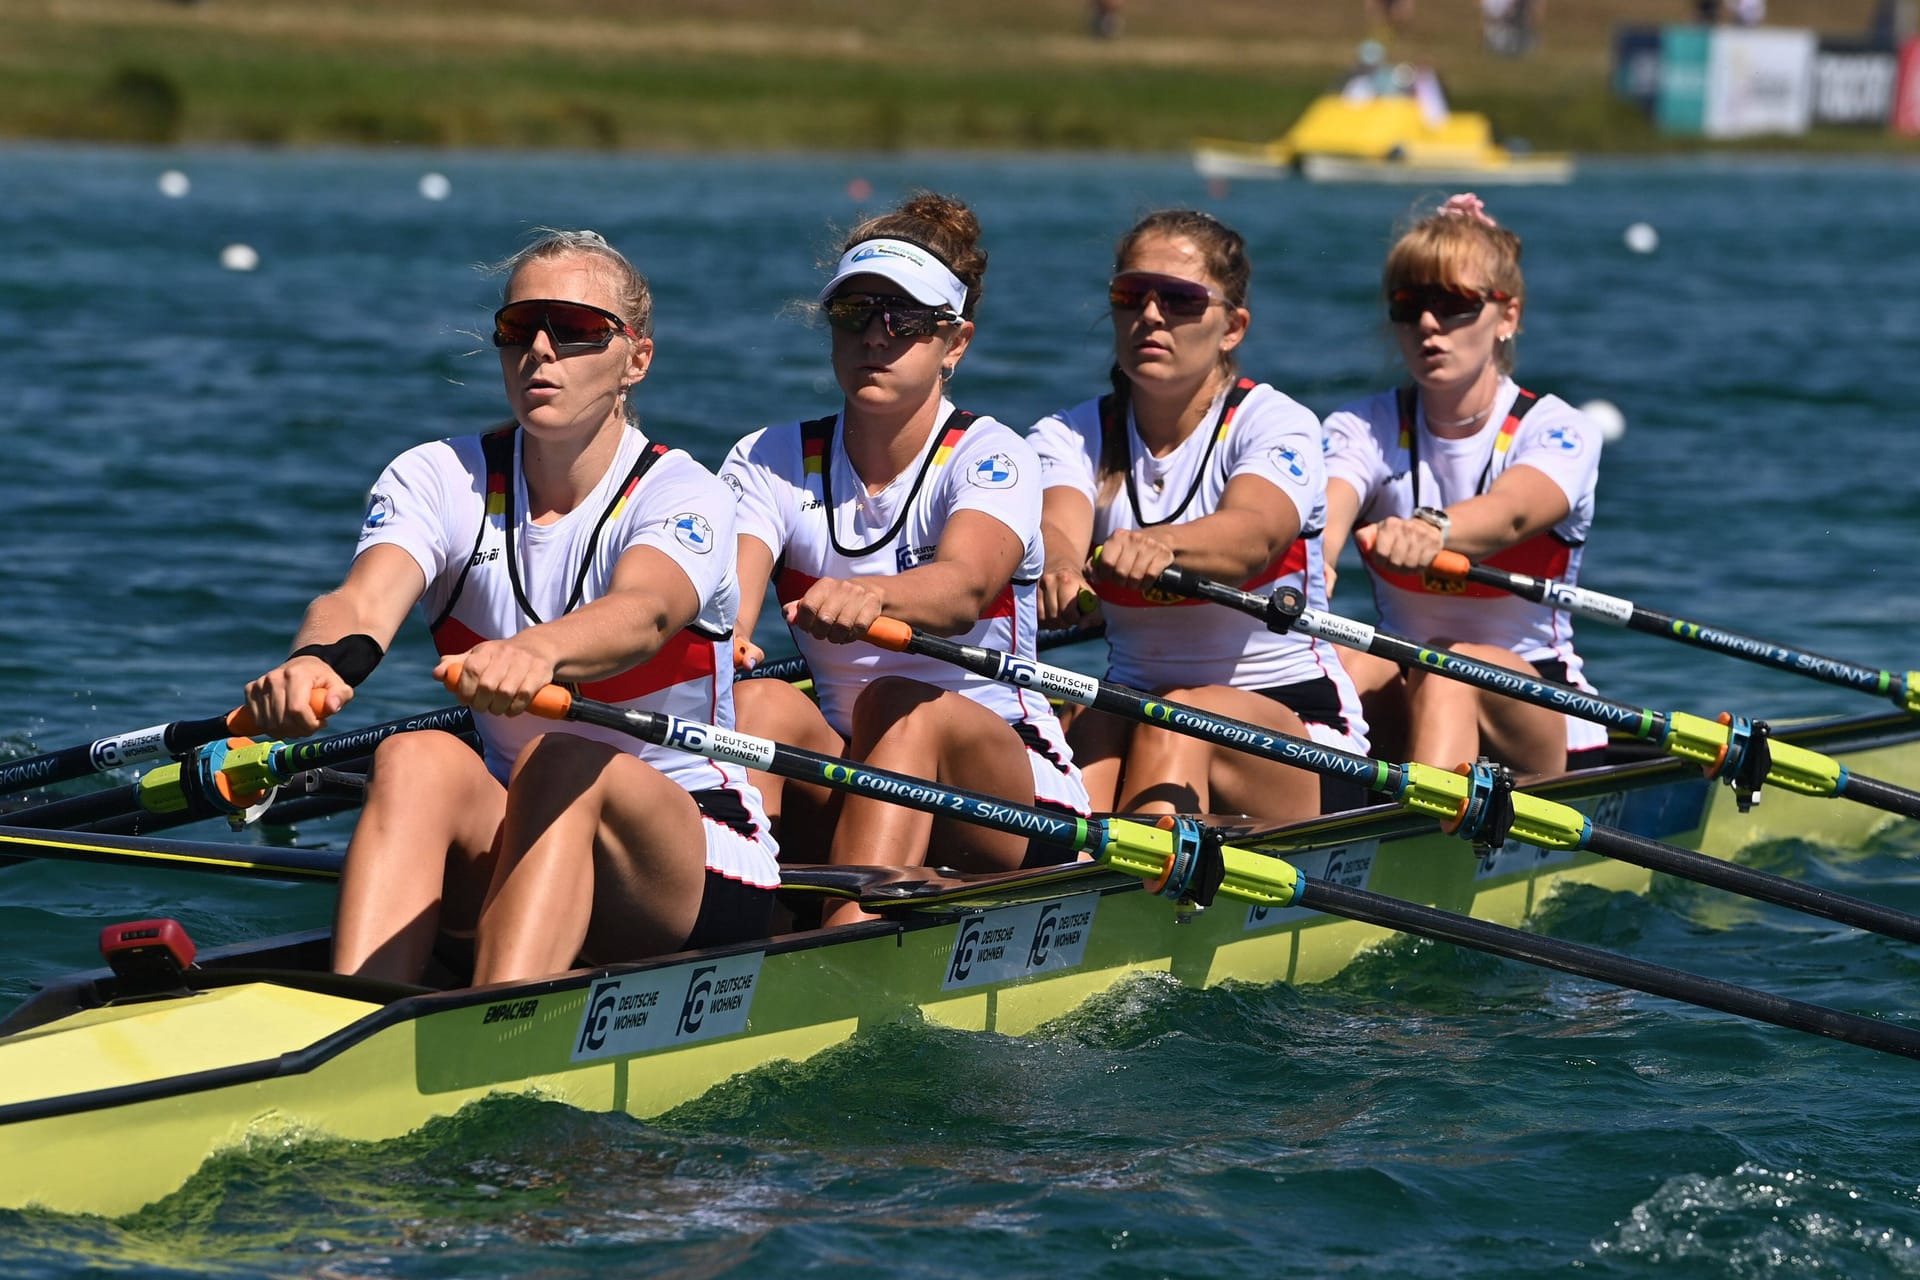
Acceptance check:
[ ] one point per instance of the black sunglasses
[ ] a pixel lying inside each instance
(1445, 302)
(573, 327)
(853, 312)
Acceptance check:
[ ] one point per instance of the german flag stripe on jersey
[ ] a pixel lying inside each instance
(944, 450)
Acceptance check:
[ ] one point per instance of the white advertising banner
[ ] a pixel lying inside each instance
(1759, 80)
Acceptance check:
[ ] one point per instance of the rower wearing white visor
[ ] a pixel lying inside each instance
(1189, 463)
(900, 505)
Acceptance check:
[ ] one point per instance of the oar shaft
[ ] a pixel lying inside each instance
(1585, 603)
(1750, 882)
(1543, 822)
(142, 746)
(208, 787)
(795, 667)
(1609, 967)
(1636, 721)
(158, 742)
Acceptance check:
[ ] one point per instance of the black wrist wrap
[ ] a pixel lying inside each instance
(352, 657)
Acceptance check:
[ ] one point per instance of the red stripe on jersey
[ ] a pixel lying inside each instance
(1292, 560)
(453, 637)
(791, 584)
(685, 657)
(682, 660)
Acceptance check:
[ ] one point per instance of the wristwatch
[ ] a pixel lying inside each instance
(1437, 518)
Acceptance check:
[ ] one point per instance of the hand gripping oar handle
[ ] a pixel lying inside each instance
(1162, 856)
(1733, 748)
(1450, 797)
(157, 742)
(1904, 691)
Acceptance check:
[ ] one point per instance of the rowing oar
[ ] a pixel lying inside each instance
(20, 843)
(1184, 860)
(795, 667)
(227, 779)
(1478, 805)
(1904, 690)
(158, 742)
(1734, 748)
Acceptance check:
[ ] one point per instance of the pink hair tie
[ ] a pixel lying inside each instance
(1466, 205)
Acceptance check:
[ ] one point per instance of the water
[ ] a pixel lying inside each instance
(189, 451)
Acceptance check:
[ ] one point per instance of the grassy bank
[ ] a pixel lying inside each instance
(784, 73)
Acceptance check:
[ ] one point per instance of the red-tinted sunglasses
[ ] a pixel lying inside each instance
(573, 327)
(1130, 290)
(1445, 302)
(853, 312)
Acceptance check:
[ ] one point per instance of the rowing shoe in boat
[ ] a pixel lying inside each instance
(116, 1086)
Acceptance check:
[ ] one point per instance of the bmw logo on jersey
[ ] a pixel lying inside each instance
(997, 472)
(694, 532)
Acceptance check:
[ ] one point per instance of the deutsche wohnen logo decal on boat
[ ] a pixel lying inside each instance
(1012, 942)
(701, 1000)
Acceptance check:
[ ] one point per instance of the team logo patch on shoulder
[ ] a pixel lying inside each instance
(379, 511)
(1288, 460)
(1564, 440)
(694, 532)
(997, 472)
(733, 482)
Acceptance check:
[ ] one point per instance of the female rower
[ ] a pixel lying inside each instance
(564, 545)
(1189, 463)
(1467, 460)
(900, 504)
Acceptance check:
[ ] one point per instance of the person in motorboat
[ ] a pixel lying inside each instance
(1187, 462)
(904, 505)
(1464, 458)
(564, 545)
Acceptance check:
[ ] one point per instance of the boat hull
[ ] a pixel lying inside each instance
(284, 1050)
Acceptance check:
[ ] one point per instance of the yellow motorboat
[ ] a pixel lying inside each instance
(1384, 137)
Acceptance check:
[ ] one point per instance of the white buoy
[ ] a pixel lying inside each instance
(1607, 416)
(434, 186)
(239, 257)
(1642, 238)
(175, 184)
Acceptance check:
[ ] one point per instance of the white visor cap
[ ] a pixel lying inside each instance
(926, 279)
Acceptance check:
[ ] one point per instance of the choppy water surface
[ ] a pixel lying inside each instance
(189, 451)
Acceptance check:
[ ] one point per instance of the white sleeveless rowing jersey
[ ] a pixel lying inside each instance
(800, 496)
(1383, 448)
(1159, 642)
(458, 507)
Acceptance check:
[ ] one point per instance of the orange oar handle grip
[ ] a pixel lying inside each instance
(551, 703)
(890, 633)
(240, 720)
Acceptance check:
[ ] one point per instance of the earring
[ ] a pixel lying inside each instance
(946, 373)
